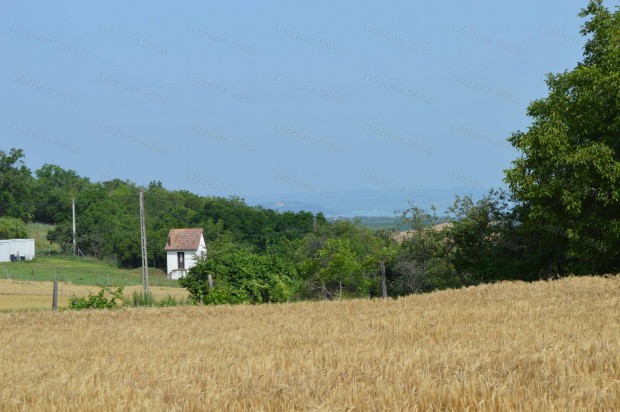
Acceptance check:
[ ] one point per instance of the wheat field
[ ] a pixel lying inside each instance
(509, 346)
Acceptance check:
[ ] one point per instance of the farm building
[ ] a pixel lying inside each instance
(183, 248)
(16, 249)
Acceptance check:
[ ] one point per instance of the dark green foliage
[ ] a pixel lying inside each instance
(484, 240)
(255, 225)
(108, 220)
(240, 276)
(341, 260)
(423, 262)
(54, 188)
(16, 186)
(567, 179)
(62, 236)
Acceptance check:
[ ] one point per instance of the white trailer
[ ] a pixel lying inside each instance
(5, 250)
(22, 249)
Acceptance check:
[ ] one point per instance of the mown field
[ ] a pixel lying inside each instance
(79, 271)
(50, 263)
(509, 346)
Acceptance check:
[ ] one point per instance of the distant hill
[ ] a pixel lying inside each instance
(370, 203)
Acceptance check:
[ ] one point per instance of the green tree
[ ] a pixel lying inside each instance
(62, 235)
(339, 259)
(15, 186)
(486, 241)
(567, 179)
(423, 261)
(340, 270)
(385, 249)
(55, 187)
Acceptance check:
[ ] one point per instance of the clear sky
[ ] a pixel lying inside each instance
(278, 97)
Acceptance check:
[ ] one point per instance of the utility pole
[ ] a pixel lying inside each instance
(314, 224)
(145, 262)
(74, 242)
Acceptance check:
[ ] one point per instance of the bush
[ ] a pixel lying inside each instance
(240, 276)
(12, 228)
(105, 299)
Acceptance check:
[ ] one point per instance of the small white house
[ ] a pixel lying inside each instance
(183, 248)
(16, 249)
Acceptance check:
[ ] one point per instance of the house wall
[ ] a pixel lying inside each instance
(191, 257)
(202, 249)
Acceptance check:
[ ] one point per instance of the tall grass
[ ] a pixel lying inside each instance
(509, 346)
(141, 298)
(38, 232)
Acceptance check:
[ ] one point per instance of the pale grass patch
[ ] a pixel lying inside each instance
(510, 346)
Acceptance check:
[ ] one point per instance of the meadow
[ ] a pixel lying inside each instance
(50, 263)
(79, 271)
(507, 346)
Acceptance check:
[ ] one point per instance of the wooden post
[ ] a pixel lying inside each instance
(55, 295)
(210, 278)
(145, 262)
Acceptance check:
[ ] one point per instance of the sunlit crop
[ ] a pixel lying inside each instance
(540, 346)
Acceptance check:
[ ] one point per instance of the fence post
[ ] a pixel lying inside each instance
(55, 295)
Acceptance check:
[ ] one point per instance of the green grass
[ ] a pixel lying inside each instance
(79, 271)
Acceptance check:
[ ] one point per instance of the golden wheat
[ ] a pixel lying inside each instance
(509, 346)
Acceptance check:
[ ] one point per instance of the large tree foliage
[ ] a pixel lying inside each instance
(567, 180)
(485, 240)
(340, 260)
(15, 186)
(55, 187)
(240, 276)
(423, 263)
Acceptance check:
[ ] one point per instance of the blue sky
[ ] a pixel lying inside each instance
(279, 97)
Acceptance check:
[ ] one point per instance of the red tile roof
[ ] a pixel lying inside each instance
(184, 239)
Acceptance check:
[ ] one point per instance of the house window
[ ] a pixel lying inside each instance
(181, 260)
